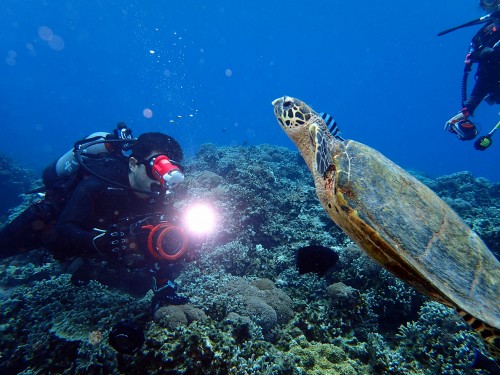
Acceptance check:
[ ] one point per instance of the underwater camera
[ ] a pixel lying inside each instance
(126, 337)
(157, 237)
(166, 241)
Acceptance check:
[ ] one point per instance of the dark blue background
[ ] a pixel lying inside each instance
(377, 66)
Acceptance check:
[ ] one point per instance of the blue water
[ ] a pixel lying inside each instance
(208, 73)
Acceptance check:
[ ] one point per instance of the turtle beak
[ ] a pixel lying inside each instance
(278, 106)
(282, 104)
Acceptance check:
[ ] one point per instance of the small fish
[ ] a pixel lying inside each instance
(315, 258)
(331, 124)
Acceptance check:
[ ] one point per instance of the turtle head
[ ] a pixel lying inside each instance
(307, 130)
(292, 113)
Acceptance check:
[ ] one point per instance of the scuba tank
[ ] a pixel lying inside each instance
(68, 165)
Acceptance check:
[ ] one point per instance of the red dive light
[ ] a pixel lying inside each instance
(166, 172)
(166, 241)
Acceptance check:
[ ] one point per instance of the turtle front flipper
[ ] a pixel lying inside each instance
(320, 144)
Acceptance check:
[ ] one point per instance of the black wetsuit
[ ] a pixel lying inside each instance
(68, 229)
(488, 71)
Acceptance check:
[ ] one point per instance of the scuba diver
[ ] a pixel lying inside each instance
(109, 200)
(109, 208)
(485, 51)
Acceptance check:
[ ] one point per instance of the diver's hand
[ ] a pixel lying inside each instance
(112, 242)
(166, 295)
(450, 124)
(464, 129)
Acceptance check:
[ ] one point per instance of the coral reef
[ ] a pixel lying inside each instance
(52, 326)
(14, 182)
(249, 310)
(439, 339)
(173, 316)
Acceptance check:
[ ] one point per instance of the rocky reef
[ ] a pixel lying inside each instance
(249, 310)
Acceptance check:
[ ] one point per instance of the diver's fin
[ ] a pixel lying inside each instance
(478, 21)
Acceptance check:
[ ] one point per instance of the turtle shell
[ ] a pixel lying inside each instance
(395, 218)
(409, 230)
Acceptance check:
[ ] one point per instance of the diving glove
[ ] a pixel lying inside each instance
(452, 121)
(112, 242)
(166, 295)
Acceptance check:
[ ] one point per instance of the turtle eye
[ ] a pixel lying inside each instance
(287, 104)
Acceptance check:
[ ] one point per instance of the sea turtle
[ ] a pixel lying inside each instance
(398, 221)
